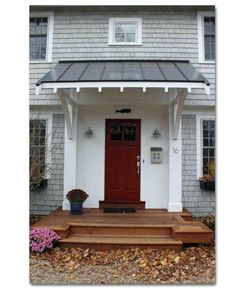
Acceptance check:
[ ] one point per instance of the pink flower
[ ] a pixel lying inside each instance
(41, 239)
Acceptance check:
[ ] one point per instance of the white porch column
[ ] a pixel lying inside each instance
(70, 156)
(175, 163)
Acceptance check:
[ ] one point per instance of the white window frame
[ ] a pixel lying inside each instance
(201, 47)
(50, 16)
(48, 118)
(199, 119)
(113, 21)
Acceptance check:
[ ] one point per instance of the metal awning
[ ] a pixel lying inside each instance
(123, 73)
(180, 76)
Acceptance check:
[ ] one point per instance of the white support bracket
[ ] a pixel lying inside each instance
(178, 105)
(68, 111)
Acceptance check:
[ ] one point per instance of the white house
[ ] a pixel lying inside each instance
(126, 98)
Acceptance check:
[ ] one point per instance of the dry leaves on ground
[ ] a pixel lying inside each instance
(194, 265)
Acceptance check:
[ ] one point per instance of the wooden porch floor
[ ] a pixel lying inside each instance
(146, 228)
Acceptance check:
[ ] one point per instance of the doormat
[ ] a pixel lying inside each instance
(119, 210)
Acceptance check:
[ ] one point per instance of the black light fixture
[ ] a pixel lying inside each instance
(156, 133)
(89, 132)
(123, 111)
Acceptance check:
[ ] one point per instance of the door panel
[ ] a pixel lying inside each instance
(122, 180)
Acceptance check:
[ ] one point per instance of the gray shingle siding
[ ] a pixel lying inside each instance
(197, 201)
(82, 34)
(167, 33)
(47, 200)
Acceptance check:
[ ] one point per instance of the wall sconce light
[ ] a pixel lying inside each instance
(156, 133)
(89, 132)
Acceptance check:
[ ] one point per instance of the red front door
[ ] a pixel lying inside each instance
(122, 160)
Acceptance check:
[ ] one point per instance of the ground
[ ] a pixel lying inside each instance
(193, 265)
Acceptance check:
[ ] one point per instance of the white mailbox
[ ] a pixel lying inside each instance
(156, 154)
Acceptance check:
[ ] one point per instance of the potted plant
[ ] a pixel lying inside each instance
(76, 198)
(207, 182)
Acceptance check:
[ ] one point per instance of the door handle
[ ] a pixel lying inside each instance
(138, 167)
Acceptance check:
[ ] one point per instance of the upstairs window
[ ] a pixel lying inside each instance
(125, 31)
(40, 42)
(38, 38)
(206, 37)
(209, 38)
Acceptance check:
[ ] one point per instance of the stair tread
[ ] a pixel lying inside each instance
(117, 239)
(118, 224)
(191, 229)
(107, 235)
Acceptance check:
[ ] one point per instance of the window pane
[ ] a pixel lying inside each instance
(209, 25)
(130, 38)
(120, 37)
(212, 142)
(205, 133)
(205, 124)
(125, 32)
(116, 132)
(205, 141)
(211, 125)
(130, 132)
(212, 153)
(205, 152)
(205, 161)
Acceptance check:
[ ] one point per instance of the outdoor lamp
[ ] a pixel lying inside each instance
(156, 133)
(89, 132)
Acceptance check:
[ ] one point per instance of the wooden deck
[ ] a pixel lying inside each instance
(145, 228)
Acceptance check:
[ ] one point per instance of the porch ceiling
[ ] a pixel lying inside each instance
(123, 73)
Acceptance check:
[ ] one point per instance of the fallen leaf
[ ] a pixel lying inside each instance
(86, 252)
(176, 260)
(155, 263)
(163, 263)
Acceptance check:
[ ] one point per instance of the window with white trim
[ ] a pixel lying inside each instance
(125, 31)
(205, 142)
(208, 144)
(40, 37)
(206, 36)
(38, 141)
(39, 148)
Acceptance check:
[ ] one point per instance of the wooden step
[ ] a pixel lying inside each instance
(193, 232)
(128, 229)
(137, 205)
(125, 241)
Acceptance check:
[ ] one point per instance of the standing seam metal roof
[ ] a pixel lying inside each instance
(123, 71)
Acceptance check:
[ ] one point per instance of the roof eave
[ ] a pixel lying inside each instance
(125, 84)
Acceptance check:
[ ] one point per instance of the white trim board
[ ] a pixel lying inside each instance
(122, 85)
(199, 118)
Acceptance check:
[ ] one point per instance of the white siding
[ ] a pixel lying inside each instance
(91, 155)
